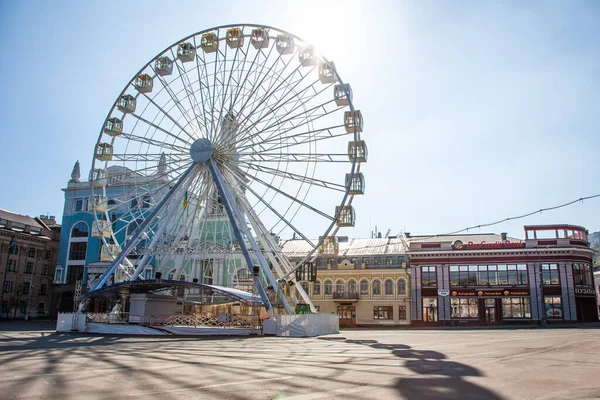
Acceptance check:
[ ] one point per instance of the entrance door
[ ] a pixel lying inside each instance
(490, 310)
(347, 315)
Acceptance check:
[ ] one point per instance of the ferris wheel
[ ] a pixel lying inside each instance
(223, 143)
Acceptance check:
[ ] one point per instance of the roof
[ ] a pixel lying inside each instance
(296, 248)
(20, 219)
(465, 238)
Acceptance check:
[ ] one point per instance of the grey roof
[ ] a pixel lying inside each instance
(20, 219)
(353, 247)
(465, 238)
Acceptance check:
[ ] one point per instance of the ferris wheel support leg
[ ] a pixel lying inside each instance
(137, 234)
(237, 221)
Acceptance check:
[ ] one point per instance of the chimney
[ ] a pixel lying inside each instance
(503, 235)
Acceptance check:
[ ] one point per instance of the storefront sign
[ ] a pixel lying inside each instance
(490, 293)
(443, 292)
(459, 245)
(579, 291)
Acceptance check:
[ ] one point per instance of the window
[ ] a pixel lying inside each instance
(43, 289)
(304, 285)
(430, 313)
(80, 230)
(78, 205)
(488, 275)
(462, 308)
(352, 287)
(339, 286)
(321, 262)
(31, 252)
(364, 288)
(401, 287)
(148, 273)
(389, 287)
(23, 307)
(582, 274)
(77, 251)
(45, 269)
(58, 275)
(12, 266)
(376, 288)
(553, 307)
(365, 260)
(428, 277)
(550, 274)
(376, 261)
(146, 201)
(389, 261)
(29, 267)
(330, 261)
(328, 288)
(4, 306)
(402, 312)
(7, 286)
(26, 287)
(14, 250)
(74, 273)
(133, 203)
(354, 260)
(317, 288)
(383, 312)
(516, 307)
(47, 255)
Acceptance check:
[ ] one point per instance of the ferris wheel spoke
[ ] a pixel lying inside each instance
(204, 88)
(176, 103)
(153, 125)
(170, 117)
(296, 157)
(149, 157)
(153, 142)
(296, 177)
(191, 97)
(300, 139)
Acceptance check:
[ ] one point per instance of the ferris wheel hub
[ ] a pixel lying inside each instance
(201, 150)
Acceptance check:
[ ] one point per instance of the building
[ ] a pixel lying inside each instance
(28, 253)
(492, 279)
(365, 281)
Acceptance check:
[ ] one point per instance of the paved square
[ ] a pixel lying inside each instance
(362, 364)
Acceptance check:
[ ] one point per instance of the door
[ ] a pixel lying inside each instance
(490, 310)
(347, 315)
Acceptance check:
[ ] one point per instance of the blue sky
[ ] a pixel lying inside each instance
(474, 111)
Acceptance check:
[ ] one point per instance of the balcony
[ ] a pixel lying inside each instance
(345, 296)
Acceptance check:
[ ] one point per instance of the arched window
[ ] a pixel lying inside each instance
(328, 288)
(389, 287)
(304, 285)
(79, 230)
(31, 252)
(376, 288)
(14, 249)
(352, 286)
(242, 274)
(317, 288)
(364, 287)
(172, 274)
(401, 287)
(339, 286)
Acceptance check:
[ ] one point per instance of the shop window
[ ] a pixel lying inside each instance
(402, 313)
(430, 309)
(383, 312)
(550, 274)
(29, 267)
(516, 307)
(328, 288)
(464, 308)
(364, 288)
(401, 287)
(582, 275)
(428, 277)
(317, 288)
(553, 307)
(31, 252)
(389, 287)
(376, 288)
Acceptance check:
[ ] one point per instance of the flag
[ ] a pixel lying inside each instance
(13, 244)
(185, 200)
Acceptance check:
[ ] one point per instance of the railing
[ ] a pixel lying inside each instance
(220, 321)
(345, 296)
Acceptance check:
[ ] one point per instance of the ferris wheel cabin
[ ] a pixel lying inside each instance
(104, 152)
(234, 38)
(101, 229)
(342, 94)
(209, 42)
(353, 119)
(163, 66)
(355, 183)
(186, 52)
(98, 203)
(284, 44)
(361, 151)
(307, 56)
(327, 72)
(143, 83)
(113, 127)
(98, 177)
(259, 38)
(329, 245)
(346, 216)
(127, 104)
